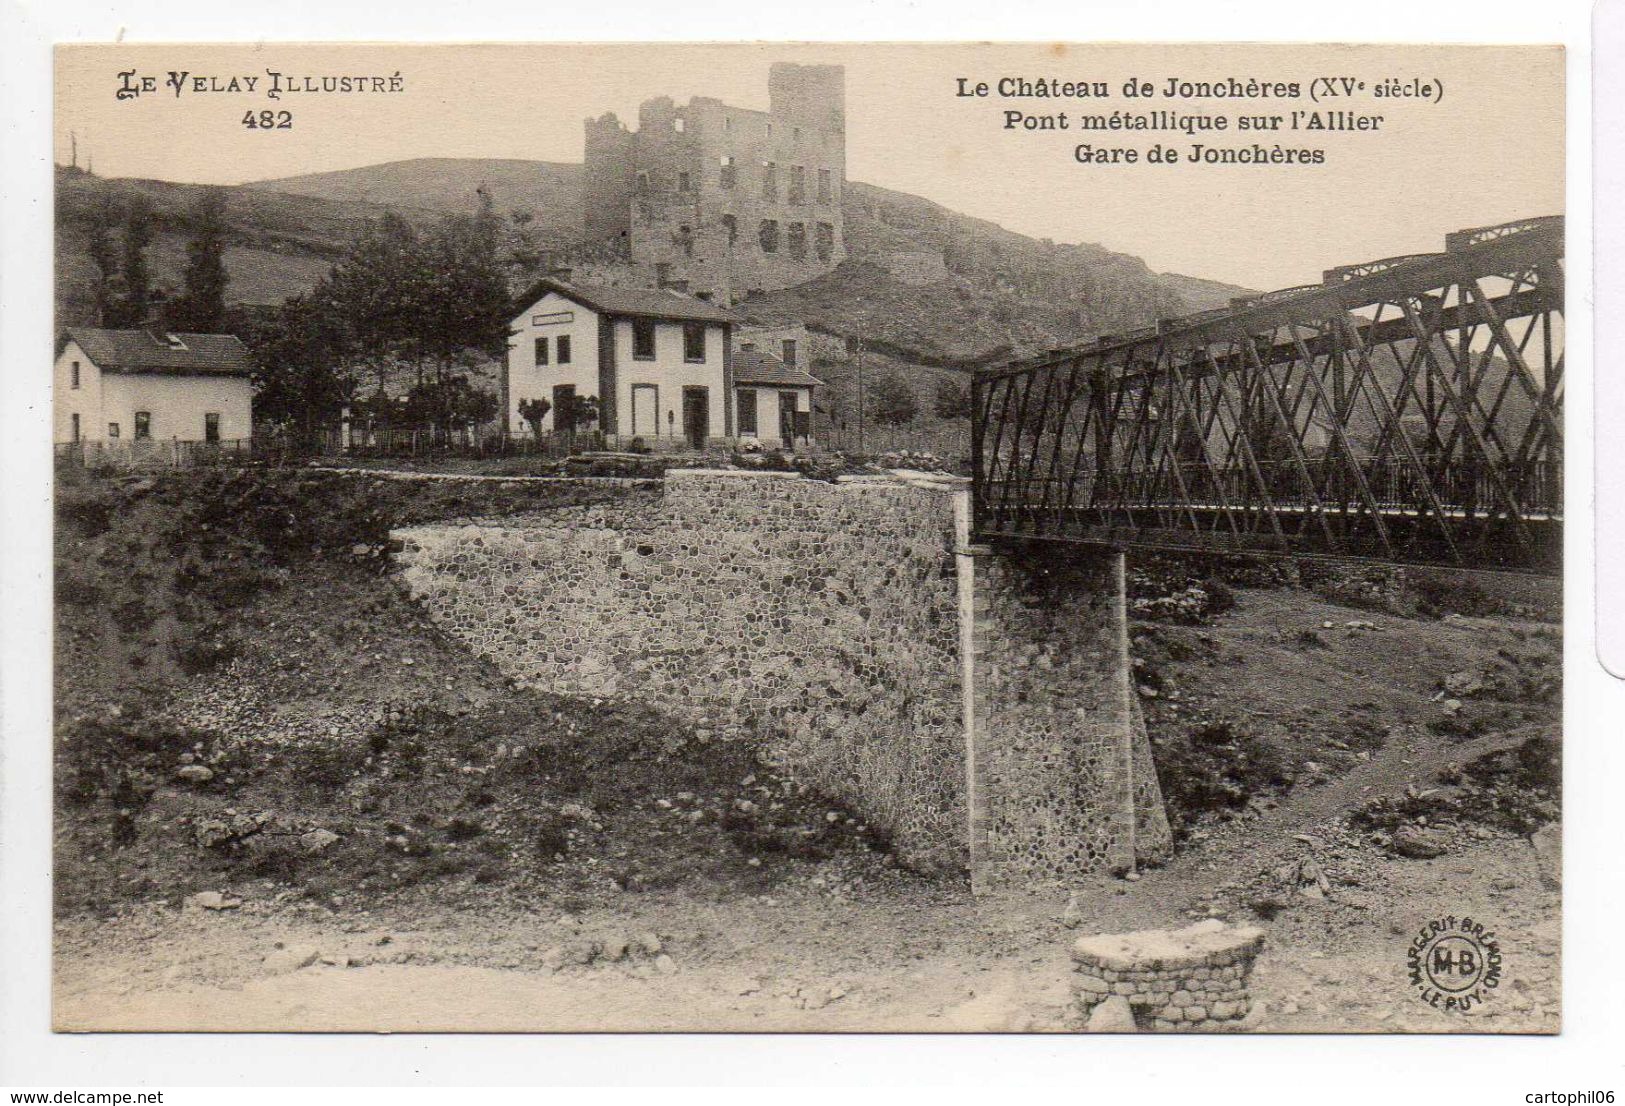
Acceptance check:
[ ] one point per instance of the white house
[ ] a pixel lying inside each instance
(132, 385)
(657, 362)
(773, 401)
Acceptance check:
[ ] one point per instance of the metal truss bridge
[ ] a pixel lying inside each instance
(1406, 410)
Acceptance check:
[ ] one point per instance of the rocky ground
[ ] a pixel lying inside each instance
(345, 822)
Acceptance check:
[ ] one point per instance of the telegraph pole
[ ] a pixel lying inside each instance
(860, 395)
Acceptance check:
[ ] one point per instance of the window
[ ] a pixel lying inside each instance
(643, 180)
(112, 430)
(732, 225)
(728, 172)
(143, 425)
(541, 352)
(769, 235)
(798, 184)
(76, 427)
(685, 239)
(798, 240)
(770, 181)
(679, 124)
(825, 241)
(789, 357)
(694, 342)
(211, 426)
(747, 410)
(74, 377)
(826, 190)
(685, 183)
(564, 349)
(643, 339)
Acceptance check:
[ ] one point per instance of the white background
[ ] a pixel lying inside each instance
(1471, 1071)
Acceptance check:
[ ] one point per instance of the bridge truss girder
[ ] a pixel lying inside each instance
(1407, 410)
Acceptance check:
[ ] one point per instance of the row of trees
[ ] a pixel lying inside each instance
(126, 294)
(890, 400)
(395, 330)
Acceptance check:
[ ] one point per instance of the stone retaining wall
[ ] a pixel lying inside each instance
(974, 708)
(821, 619)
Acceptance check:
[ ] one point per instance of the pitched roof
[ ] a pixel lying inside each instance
(646, 303)
(755, 366)
(152, 351)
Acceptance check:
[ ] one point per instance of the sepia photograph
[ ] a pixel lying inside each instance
(1002, 538)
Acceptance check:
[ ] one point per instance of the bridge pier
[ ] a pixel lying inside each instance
(1059, 777)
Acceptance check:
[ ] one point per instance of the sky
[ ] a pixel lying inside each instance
(1488, 148)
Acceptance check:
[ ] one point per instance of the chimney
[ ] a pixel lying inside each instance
(675, 286)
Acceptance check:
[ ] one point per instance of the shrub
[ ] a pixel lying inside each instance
(1217, 766)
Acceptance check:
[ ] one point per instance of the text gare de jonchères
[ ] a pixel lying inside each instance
(1193, 123)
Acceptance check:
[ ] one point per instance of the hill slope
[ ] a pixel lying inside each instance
(549, 190)
(999, 289)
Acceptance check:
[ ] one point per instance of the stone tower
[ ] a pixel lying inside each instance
(723, 200)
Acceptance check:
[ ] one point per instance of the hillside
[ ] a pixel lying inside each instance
(1000, 289)
(549, 190)
(279, 244)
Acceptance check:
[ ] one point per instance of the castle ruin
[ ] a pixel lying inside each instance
(718, 200)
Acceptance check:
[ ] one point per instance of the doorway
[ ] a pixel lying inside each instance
(696, 415)
(787, 418)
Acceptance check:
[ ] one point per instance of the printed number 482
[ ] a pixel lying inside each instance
(268, 120)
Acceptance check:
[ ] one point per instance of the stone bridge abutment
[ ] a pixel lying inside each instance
(973, 702)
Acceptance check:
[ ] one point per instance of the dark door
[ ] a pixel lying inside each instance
(787, 418)
(696, 415)
(564, 398)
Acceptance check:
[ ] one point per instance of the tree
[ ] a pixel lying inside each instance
(299, 376)
(891, 401)
(138, 232)
(952, 399)
(427, 305)
(533, 411)
(578, 413)
(202, 305)
(525, 257)
(103, 252)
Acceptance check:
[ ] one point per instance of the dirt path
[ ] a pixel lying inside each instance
(802, 963)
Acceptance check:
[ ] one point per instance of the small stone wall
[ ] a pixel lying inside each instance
(1193, 978)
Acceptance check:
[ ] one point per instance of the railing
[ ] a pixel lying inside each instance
(158, 453)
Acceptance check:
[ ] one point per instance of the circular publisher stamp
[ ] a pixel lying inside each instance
(1454, 963)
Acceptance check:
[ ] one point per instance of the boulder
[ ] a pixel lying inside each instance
(292, 958)
(1072, 914)
(195, 773)
(1463, 684)
(1112, 1016)
(317, 840)
(214, 900)
(1419, 843)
